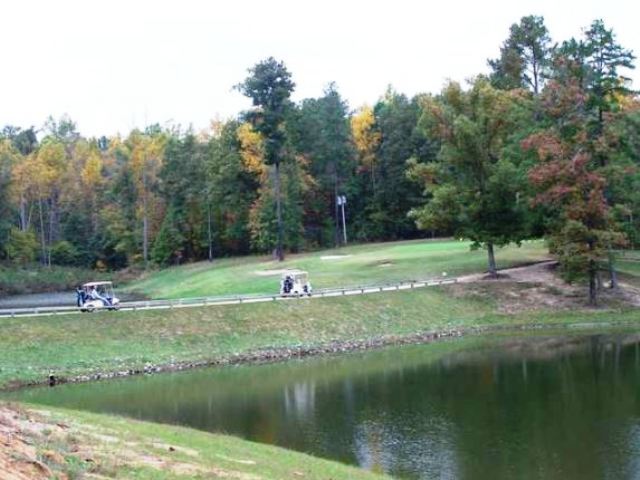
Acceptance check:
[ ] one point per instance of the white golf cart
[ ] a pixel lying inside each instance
(98, 296)
(295, 283)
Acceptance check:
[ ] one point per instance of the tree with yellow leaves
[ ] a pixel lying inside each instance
(147, 151)
(366, 139)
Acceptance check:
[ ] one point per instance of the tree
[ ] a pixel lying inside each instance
(606, 87)
(567, 181)
(147, 151)
(269, 86)
(473, 189)
(367, 140)
(9, 156)
(233, 177)
(525, 56)
(382, 214)
(592, 67)
(183, 187)
(320, 132)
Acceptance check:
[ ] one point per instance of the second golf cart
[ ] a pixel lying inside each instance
(295, 283)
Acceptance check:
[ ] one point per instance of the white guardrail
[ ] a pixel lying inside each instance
(229, 299)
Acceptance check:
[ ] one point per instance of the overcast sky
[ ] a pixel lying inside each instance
(115, 65)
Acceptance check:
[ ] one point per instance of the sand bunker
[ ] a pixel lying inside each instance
(334, 257)
(270, 273)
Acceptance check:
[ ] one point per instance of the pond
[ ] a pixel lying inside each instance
(549, 405)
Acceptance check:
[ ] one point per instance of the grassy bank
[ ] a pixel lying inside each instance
(36, 279)
(356, 265)
(77, 345)
(68, 444)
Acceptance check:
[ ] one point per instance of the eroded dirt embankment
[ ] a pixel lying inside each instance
(19, 456)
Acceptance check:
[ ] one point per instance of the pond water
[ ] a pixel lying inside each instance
(553, 406)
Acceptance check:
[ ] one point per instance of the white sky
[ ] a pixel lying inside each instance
(114, 65)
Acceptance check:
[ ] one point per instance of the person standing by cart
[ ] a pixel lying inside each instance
(81, 296)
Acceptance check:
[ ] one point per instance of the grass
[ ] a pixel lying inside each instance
(74, 444)
(37, 278)
(76, 345)
(355, 265)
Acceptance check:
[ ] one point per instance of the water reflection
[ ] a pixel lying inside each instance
(543, 406)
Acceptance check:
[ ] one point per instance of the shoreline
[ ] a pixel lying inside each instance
(337, 347)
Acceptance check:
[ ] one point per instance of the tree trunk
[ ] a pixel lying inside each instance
(279, 247)
(336, 236)
(145, 231)
(593, 286)
(493, 271)
(535, 78)
(210, 240)
(54, 217)
(613, 275)
(43, 241)
(24, 224)
(373, 178)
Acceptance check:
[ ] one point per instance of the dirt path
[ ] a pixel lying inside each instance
(539, 286)
(538, 272)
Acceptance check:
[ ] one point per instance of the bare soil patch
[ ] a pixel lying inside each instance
(34, 447)
(539, 286)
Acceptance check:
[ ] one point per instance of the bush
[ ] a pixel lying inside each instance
(21, 247)
(64, 253)
(34, 278)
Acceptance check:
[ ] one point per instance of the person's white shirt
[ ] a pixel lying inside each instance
(94, 294)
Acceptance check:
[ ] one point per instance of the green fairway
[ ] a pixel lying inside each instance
(357, 265)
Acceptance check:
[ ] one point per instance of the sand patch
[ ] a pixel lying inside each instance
(270, 273)
(334, 257)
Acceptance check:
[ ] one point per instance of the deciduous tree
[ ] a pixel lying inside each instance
(473, 190)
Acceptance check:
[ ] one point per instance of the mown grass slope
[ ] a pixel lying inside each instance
(75, 345)
(355, 265)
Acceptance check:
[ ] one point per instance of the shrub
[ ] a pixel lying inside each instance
(64, 253)
(22, 246)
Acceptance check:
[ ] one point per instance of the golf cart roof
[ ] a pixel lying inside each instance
(96, 284)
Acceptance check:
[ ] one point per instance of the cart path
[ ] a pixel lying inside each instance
(230, 299)
(541, 275)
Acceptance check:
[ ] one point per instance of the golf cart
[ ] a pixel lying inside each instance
(295, 284)
(98, 296)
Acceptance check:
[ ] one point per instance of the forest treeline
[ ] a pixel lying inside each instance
(546, 144)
